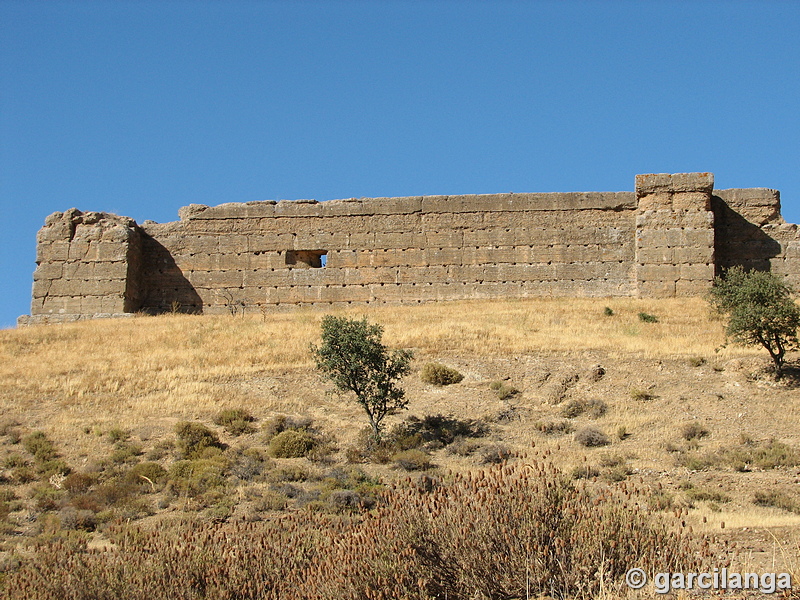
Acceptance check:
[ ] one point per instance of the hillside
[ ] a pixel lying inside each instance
(704, 425)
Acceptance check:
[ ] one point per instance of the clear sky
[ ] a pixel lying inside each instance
(139, 108)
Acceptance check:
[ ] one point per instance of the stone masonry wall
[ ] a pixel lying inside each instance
(393, 250)
(88, 264)
(668, 238)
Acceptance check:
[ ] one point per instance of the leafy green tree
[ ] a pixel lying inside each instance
(353, 357)
(760, 311)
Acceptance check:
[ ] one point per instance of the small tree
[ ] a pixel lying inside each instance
(760, 311)
(353, 357)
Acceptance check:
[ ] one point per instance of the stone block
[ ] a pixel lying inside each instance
(700, 272)
(109, 251)
(618, 252)
(48, 270)
(432, 274)
(684, 287)
(575, 271)
(343, 259)
(270, 242)
(52, 252)
(444, 239)
(265, 277)
(698, 237)
(232, 261)
(197, 262)
(676, 182)
(316, 277)
(108, 270)
(655, 202)
(445, 221)
(400, 240)
(232, 244)
(658, 272)
(691, 201)
(692, 255)
(362, 240)
(656, 255)
(391, 206)
(379, 258)
(656, 289)
(350, 207)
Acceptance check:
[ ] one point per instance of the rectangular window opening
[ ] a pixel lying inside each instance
(306, 259)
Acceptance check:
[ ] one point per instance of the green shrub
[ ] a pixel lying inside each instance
(126, 452)
(197, 477)
(39, 446)
(647, 318)
(433, 431)
(289, 473)
(760, 311)
(702, 495)
(236, 421)
(412, 460)
(15, 460)
(281, 423)
(270, 501)
(353, 357)
(195, 438)
(506, 392)
(660, 500)
(57, 466)
(608, 312)
(439, 374)
(22, 475)
(777, 499)
(591, 437)
(618, 473)
(117, 434)
(291, 443)
(147, 473)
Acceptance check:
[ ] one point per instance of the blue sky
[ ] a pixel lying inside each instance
(140, 108)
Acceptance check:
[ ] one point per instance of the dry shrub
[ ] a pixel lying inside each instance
(591, 437)
(493, 454)
(490, 534)
(592, 408)
(553, 427)
(412, 460)
(694, 431)
(439, 374)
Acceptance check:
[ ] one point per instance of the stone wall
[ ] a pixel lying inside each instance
(668, 238)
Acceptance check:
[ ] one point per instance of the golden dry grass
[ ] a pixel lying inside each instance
(180, 364)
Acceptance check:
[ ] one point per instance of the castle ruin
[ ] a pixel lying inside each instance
(668, 238)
